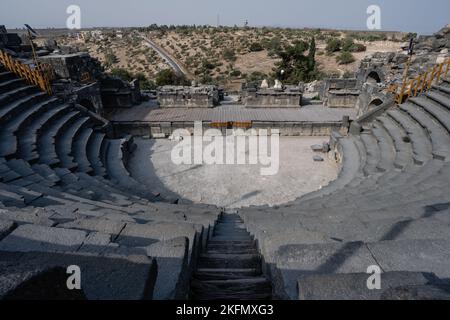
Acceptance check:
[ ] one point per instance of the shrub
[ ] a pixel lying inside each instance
(345, 57)
(235, 73)
(110, 59)
(229, 55)
(333, 45)
(169, 77)
(122, 74)
(255, 47)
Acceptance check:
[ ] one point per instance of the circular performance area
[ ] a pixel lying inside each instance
(234, 185)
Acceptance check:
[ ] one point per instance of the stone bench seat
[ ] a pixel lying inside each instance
(372, 155)
(387, 149)
(46, 143)
(438, 135)
(297, 261)
(434, 105)
(16, 94)
(6, 75)
(403, 150)
(108, 277)
(421, 144)
(94, 151)
(28, 139)
(64, 145)
(117, 171)
(80, 150)
(8, 85)
(8, 111)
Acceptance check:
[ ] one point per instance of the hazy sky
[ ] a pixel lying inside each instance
(420, 16)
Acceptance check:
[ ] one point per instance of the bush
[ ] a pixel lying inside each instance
(229, 55)
(333, 45)
(145, 83)
(350, 46)
(255, 47)
(122, 74)
(235, 73)
(345, 57)
(110, 59)
(169, 77)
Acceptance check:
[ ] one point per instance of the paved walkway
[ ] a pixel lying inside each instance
(311, 113)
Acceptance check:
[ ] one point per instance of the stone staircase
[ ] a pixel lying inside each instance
(230, 267)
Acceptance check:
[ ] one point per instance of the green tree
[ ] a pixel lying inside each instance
(169, 77)
(122, 74)
(145, 83)
(296, 66)
(312, 54)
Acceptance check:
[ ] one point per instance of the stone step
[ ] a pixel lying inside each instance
(223, 274)
(27, 140)
(11, 84)
(94, 153)
(234, 261)
(387, 149)
(402, 145)
(79, 150)
(439, 137)
(66, 140)
(46, 145)
(16, 94)
(421, 144)
(6, 75)
(435, 109)
(255, 287)
(9, 111)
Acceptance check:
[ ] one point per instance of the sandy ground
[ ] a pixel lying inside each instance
(234, 185)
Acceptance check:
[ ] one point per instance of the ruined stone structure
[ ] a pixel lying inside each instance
(188, 97)
(8, 40)
(81, 78)
(340, 93)
(262, 97)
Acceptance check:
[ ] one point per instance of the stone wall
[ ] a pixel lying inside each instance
(165, 129)
(340, 93)
(188, 97)
(80, 66)
(272, 98)
(117, 93)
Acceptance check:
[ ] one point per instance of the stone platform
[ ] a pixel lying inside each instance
(311, 120)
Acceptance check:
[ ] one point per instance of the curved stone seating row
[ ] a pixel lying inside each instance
(394, 211)
(63, 203)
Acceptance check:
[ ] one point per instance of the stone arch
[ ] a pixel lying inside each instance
(375, 103)
(373, 77)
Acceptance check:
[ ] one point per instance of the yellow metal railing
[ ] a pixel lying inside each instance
(422, 83)
(40, 76)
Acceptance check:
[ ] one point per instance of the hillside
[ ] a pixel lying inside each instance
(225, 55)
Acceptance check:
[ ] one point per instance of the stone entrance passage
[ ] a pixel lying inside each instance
(230, 267)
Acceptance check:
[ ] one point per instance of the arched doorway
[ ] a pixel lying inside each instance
(373, 77)
(375, 103)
